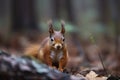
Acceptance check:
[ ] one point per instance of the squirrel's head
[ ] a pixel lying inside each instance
(57, 38)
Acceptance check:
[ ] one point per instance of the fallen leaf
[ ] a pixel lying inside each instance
(93, 76)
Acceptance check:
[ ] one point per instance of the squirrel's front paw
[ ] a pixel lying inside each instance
(60, 69)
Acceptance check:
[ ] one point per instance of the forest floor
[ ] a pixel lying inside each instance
(88, 64)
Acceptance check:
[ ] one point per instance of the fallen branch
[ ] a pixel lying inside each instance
(24, 68)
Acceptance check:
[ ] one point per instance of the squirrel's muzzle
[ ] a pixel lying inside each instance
(58, 46)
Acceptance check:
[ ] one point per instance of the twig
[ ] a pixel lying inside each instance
(99, 54)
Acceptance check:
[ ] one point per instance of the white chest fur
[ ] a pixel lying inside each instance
(56, 55)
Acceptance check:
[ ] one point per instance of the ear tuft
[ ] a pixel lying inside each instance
(51, 31)
(62, 26)
(49, 22)
(62, 22)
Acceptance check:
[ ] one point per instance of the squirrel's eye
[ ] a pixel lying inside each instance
(52, 39)
(63, 39)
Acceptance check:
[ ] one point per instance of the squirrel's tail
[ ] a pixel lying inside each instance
(32, 50)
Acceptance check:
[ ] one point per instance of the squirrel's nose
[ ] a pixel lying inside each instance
(58, 47)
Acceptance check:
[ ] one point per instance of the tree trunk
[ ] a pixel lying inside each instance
(23, 16)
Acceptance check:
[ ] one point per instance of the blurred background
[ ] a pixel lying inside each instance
(92, 28)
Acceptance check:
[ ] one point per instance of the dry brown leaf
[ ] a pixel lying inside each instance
(93, 76)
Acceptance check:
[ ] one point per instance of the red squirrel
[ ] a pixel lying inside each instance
(53, 50)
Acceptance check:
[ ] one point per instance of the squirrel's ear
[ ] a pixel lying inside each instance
(62, 27)
(51, 30)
